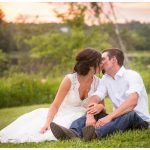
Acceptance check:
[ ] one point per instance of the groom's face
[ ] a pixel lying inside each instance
(106, 63)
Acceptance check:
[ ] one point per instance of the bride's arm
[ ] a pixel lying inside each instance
(62, 92)
(96, 103)
(95, 106)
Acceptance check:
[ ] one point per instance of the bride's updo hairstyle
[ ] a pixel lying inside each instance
(85, 59)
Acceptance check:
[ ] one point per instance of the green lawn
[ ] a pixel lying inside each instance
(128, 139)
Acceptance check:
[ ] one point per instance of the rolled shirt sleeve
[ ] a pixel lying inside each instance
(135, 84)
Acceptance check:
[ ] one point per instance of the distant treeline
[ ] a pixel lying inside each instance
(51, 48)
(35, 57)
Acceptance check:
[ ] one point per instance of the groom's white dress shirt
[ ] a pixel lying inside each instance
(118, 89)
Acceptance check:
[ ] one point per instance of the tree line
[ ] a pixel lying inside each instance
(50, 48)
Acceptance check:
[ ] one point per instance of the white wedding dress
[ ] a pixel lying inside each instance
(26, 127)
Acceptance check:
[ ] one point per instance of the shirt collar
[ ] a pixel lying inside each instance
(119, 73)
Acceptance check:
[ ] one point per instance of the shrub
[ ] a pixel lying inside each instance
(23, 89)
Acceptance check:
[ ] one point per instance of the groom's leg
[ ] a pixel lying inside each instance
(78, 124)
(128, 121)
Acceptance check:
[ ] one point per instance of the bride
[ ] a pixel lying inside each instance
(69, 104)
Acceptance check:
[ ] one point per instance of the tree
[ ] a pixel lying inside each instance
(3, 62)
(57, 49)
(92, 10)
(74, 17)
(1, 15)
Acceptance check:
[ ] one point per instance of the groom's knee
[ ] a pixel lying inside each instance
(131, 114)
(79, 123)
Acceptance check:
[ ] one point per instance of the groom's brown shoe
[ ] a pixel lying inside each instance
(89, 133)
(62, 133)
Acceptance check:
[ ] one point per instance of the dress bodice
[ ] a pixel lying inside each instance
(72, 99)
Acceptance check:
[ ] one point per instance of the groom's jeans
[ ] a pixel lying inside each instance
(125, 122)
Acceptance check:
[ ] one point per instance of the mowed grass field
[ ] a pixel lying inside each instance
(128, 139)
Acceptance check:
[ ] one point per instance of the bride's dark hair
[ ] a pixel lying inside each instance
(85, 59)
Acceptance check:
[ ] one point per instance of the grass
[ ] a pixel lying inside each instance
(129, 139)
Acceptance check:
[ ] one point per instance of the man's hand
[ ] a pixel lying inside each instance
(103, 121)
(90, 121)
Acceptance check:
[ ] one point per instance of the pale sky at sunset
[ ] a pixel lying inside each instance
(44, 11)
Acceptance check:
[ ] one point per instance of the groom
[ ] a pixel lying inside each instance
(125, 89)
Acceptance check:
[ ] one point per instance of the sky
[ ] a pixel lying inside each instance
(43, 12)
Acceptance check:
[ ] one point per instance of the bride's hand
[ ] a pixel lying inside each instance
(44, 128)
(94, 108)
(90, 120)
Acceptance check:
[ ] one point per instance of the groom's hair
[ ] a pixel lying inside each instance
(115, 52)
(85, 59)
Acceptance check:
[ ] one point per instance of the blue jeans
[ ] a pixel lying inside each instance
(125, 122)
